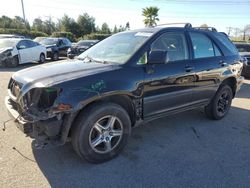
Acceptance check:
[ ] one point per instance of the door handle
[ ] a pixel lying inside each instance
(189, 68)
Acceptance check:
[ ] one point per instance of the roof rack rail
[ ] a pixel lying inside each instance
(186, 25)
(206, 28)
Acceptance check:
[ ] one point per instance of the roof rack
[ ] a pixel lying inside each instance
(206, 28)
(186, 25)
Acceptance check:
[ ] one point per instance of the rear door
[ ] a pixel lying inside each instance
(169, 86)
(209, 65)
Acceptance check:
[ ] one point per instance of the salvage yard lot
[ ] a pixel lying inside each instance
(184, 150)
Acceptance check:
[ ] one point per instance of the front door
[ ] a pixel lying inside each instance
(168, 86)
(24, 52)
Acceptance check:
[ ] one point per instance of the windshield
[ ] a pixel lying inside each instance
(85, 43)
(49, 41)
(243, 47)
(117, 48)
(7, 43)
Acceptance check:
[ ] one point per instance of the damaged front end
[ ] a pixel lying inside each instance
(6, 58)
(37, 114)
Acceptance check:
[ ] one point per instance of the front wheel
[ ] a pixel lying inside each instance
(42, 58)
(55, 56)
(220, 104)
(14, 62)
(101, 132)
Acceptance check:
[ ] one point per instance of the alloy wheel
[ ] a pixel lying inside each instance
(106, 134)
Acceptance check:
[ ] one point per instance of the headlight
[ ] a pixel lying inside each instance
(7, 53)
(69, 50)
(49, 49)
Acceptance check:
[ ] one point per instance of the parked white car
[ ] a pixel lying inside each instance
(15, 51)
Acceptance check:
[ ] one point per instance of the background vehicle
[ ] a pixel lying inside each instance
(122, 81)
(2, 36)
(14, 51)
(39, 39)
(244, 50)
(80, 47)
(56, 47)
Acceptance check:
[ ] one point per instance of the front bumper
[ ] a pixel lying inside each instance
(22, 124)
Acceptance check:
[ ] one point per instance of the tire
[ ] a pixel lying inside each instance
(13, 62)
(55, 56)
(96, 142)
(42, 58)
(220, 104)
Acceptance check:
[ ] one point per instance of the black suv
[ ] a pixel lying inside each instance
(244, 51)
(124, 80)
(56, 47)
(80, 47)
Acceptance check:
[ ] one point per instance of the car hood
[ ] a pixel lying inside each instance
(54, 73)
(4, 49)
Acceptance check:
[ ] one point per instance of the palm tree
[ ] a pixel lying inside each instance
(150, 14)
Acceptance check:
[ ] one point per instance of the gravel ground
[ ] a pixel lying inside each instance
(184, 150)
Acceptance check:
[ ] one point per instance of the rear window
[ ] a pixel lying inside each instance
(226, 42)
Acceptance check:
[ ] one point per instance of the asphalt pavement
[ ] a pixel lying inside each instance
(184, 150)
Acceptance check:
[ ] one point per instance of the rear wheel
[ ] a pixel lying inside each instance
(220, 104)
(42, 58)
(101, 132)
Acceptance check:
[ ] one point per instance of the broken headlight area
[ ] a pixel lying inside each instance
(39, 102)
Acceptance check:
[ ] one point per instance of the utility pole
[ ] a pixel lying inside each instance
(23, 12)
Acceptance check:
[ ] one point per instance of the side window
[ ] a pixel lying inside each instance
(31, 44)
(202, 46)
(22, 45)
(60, 43)
(143, 60)
(175, 45)
(226, 42)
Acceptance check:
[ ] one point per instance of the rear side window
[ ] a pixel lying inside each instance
(226, 42)
(203, 47)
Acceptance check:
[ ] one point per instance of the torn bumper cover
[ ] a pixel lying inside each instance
(29, 125)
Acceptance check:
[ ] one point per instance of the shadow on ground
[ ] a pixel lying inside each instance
(185, 150)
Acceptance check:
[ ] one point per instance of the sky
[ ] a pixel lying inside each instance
(220, 14)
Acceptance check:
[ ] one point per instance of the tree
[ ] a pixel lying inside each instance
(151, 16)
(65, 23)
(246, 31)
(127, 27)
(105, 29)
(86, 24)
(5, 22)
(204, 25)
(115, 30)
(37, 24)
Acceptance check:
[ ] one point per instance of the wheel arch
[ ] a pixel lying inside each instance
(126, 102)
(231, 81)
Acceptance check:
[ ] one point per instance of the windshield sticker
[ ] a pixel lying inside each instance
(143, 34)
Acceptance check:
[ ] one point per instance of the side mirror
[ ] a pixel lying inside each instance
(21, 47)
(158, 57)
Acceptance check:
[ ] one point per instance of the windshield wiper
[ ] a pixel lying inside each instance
(92, 60)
